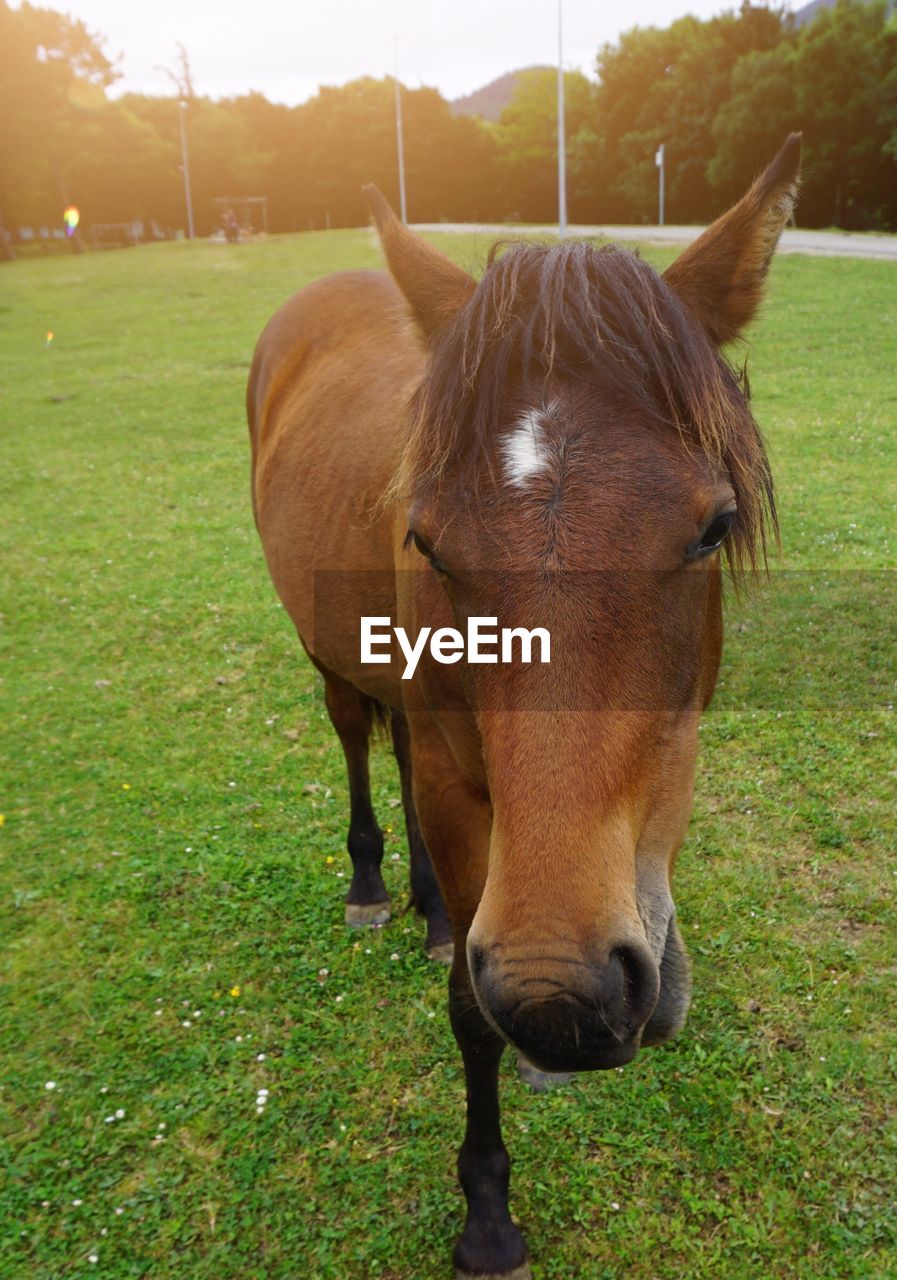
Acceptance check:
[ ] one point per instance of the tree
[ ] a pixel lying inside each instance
(668, 86)
(845, 57)
(750, 125)
(527, 141)
(52, 71)
(836, 79)
(345, 137)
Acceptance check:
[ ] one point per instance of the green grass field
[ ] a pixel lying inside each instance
(173, 845)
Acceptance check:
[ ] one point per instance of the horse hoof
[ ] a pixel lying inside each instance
(442, 953)
(541, 1081)
(519, 1273)
(360, 915)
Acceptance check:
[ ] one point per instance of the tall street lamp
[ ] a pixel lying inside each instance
(185, 165)
(400, 141)
(562, 158)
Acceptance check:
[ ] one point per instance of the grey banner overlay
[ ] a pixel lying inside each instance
(819, 639)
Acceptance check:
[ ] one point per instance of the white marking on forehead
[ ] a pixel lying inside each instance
(525, 450)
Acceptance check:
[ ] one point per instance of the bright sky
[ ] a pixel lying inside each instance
(287, 48)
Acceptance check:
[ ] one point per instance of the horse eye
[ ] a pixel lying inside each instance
(713, 536)
(426, 551)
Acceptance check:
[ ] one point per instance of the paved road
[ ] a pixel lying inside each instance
(837, 244)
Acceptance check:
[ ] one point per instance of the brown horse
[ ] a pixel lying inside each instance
(560, 445)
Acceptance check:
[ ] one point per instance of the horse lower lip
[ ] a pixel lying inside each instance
(585, 1049)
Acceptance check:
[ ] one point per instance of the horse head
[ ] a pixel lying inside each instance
(582, 457)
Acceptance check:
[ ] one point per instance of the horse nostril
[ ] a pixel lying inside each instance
(629, 989)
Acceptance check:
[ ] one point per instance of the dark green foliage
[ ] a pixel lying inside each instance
(667, 86)
(835, 78)
(527, 140)
(723, 94)
(720, 94)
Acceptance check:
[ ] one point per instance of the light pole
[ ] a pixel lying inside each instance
(185, 165)
(562, 158)
(400, 142)
(658, 160)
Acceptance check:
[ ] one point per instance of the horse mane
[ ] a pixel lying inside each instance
(602, 316)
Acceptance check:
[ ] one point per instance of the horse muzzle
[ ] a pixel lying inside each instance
(568, 1014)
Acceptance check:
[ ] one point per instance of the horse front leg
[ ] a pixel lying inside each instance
(490, 1245)
(424, 888)
(456, 819)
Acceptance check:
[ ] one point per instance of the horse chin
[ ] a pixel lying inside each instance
(585, 1057)
(672, 1005)
(566, 1051)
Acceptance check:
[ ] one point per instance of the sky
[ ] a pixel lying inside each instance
(286, 49)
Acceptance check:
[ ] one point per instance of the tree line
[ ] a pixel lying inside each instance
(720, 94)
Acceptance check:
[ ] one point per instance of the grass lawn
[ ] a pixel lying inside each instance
(173, 856)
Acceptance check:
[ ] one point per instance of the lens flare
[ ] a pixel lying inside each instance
(50, 336)
(71, 217)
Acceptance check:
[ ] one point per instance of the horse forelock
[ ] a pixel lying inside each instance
(543, 314)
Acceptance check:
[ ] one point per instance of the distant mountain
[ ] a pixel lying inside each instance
(809, 11)
(490, 101)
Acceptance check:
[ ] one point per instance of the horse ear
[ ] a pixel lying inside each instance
(434, 287)
(720, 276)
